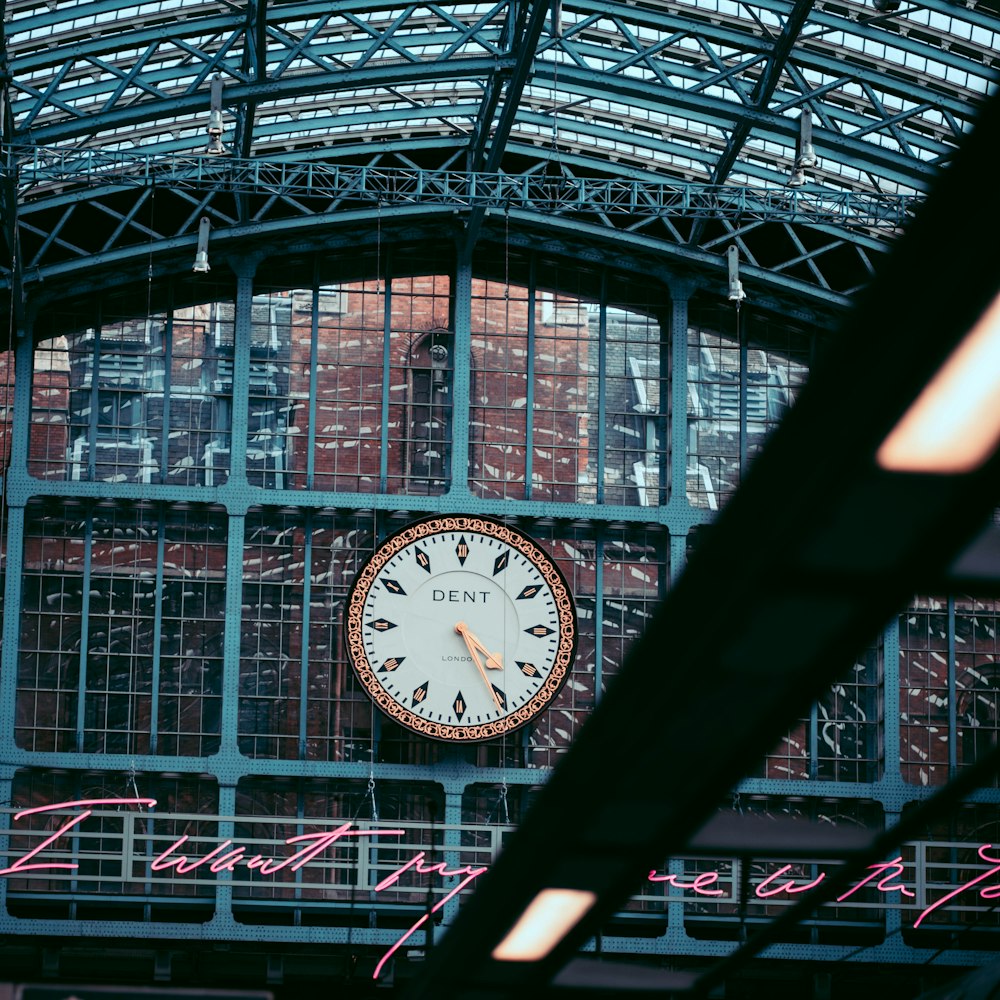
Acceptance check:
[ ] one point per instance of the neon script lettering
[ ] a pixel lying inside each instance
(228, 856)
(223, 860)
(22, 864)
(699, 884)
(987, 892)
(884, 878)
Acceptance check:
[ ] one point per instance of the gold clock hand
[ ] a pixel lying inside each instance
(472, 643)
(493, 660)
(473, 647)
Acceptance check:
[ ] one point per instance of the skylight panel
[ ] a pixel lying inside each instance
(984, 37)
(690, 44)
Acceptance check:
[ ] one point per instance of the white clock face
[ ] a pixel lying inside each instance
(461, 628)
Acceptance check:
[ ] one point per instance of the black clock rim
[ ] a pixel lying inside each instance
(459, 738)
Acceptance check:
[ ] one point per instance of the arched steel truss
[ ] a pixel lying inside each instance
(538, 109)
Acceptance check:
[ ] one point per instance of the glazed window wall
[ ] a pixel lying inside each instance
(750, 890)
(567, 404)
(301, 701)
(581, 382)
(136, 400)
(501, 331)
(205, 620)
(843, 736)
(349, 387)
(123, 632)
(6, 406)
(949, 662)
(121, 642)
(955, 851)
(743, 375)
(6, 421)
(341, 888)
(297, 698)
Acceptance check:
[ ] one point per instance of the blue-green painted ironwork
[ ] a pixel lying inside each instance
(315, 55)
(41, 172)
(306, 200)
(606, 133)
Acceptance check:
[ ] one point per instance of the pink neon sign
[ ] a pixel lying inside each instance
(883, 878)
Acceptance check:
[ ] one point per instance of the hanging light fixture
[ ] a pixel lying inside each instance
(550, 916)
(736, 293)
(806, 156)
(201, 254)
(215, 145)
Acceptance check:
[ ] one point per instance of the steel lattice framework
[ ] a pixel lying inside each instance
(682, 95)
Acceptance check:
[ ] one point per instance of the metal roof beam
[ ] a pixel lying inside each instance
(8, 190)
(83, 261)
(524, 42)
(732, 33)
(781, 51)
(761, 96)
(318, 50)
(725, 34)
(107, 173)
(446, 150)
(842, 124)
(676, 26)
(55, 17)
(719, 113)
(254, 68)
(515, 87)
(521, 43)
(197, 99)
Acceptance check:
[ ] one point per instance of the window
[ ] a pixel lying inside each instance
(430, 411)
(118, 415)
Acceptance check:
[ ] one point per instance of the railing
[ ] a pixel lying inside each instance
(91, 849)
(86, 849)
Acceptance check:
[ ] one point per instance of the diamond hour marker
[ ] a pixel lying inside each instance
(540, 630)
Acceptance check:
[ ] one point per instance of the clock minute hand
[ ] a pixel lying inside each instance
(474, 645)
(493, 661)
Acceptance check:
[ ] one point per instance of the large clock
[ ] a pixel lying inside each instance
(461, 628)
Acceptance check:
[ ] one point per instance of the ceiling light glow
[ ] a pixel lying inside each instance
(953, 426)
(549, 917)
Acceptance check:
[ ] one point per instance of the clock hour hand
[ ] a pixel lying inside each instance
(493, 661)
(474, 646)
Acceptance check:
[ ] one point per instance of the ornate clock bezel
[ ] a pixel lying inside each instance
(438, 524)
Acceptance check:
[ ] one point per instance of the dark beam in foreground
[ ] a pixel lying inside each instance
(804, 566)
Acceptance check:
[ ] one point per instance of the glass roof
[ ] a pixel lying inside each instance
(706, 92)
(663, 86)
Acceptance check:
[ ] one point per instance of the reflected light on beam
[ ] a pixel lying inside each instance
(954, 424)
(550, 916)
